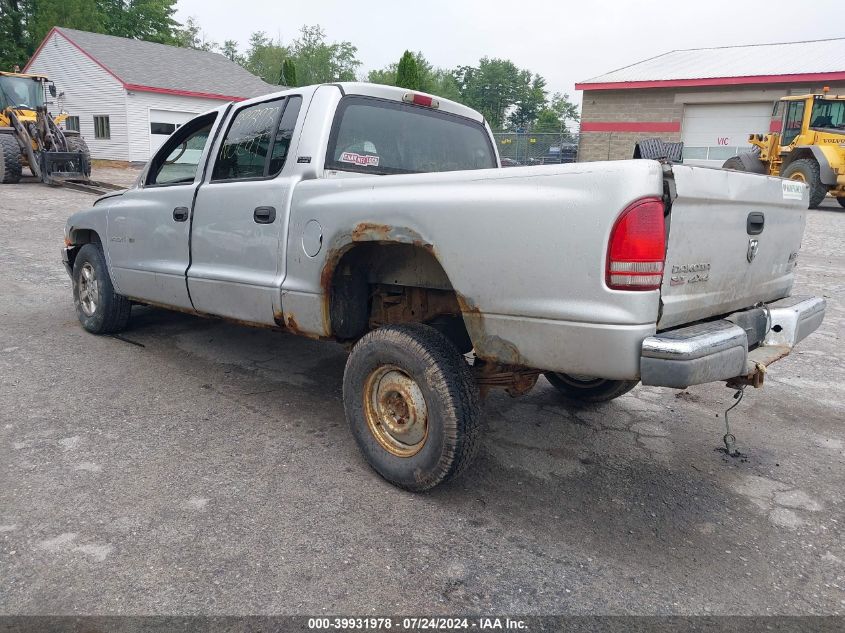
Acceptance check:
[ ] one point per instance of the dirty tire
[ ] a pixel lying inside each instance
(735, 163)
(449, 391)
(591, 390)
(807, 170)
(78, 144)
(10, 159)
(111, 312)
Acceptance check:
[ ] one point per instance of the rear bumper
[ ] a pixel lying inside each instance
(718, 350)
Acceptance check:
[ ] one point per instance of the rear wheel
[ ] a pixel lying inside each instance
(807, 170)
(587, 388)
(10, 159)
(78, 144)
(99, 308)
(735, 163)
(412, 405)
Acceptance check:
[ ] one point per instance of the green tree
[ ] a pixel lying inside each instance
(556, 114)
(265, 56)
(15, 16)
(407, 72)
(288, 77)
(318, 62)
(230, 50)
(191, 35)
(530, 99)
(436, 81)
(149, 20)
(492, 88)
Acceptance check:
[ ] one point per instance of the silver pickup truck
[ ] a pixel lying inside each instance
(381, 218)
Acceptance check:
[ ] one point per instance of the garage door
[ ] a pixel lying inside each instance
(713, 133)
(163, 123)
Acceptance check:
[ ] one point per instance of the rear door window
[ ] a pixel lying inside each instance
(377, 136)
(257, 142)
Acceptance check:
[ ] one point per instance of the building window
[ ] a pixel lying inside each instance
(72, 124)
(102, 130)
(162, 128)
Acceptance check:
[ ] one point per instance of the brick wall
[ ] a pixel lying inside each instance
(657, 113)
(633, 110)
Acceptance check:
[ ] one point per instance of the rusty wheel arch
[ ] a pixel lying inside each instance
(403, 278)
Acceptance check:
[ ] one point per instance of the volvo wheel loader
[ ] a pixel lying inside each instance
(808, 145)
(30, 136)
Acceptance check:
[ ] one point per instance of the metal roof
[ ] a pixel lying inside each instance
(147, 66)
(817, 60)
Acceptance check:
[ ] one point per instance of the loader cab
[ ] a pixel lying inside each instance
(22, 92)
(801, 116)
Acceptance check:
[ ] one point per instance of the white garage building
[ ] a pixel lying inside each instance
(126, 96)
(709, 98)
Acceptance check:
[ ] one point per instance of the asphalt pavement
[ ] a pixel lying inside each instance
(199, 467)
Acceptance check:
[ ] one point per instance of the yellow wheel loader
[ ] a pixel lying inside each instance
(809, 145)
(31, 137)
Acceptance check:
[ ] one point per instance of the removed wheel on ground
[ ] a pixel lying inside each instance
(807, 170)
(99, 308)
(734, 163)
(412, 405)
(587, 388)
(10, 159)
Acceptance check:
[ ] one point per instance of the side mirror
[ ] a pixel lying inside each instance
(52, 90)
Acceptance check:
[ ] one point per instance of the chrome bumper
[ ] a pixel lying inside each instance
(718, 350)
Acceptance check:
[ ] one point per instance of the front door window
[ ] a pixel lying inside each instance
(177, 162)
(792, 122)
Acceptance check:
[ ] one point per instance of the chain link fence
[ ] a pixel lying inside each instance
(526, 148)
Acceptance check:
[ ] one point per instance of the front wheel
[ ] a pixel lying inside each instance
(10, 160)
(807, 170)
(78, 144)
(587, 388)
(841, 201)
(99, 308)
(412, 405)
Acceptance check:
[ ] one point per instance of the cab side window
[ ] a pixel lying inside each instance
(177, 162)
(792, 122)
(257, 141)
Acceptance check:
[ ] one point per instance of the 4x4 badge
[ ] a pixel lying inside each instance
(753, 246)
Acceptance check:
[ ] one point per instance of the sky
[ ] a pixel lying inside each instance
(563, 41)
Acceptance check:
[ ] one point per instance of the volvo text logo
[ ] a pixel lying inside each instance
(753, 246)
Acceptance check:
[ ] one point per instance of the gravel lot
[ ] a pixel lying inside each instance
(210, 471)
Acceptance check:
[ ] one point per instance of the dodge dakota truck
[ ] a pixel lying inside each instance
(381, 218)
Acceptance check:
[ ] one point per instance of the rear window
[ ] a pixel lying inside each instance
(376, 136)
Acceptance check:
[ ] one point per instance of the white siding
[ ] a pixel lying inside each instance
(89, 90)
(139, 105)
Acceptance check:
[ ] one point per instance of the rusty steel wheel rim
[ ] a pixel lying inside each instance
(396, 411)
(799, 177)
(88, 289)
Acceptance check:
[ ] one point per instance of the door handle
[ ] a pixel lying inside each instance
(755, 223)
(264, 215)
(180, 214)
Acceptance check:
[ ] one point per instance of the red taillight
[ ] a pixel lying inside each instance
(637, 247)
(420, 100)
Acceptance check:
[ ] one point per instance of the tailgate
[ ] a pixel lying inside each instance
(733, 241)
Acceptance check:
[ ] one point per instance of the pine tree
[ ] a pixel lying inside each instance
(288, 77)
(407, 73)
